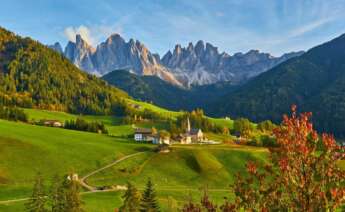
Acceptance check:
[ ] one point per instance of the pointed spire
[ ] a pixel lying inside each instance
(188, 125)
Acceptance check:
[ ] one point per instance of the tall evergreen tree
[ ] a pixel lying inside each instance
(131, 199)
(37, 202)
(57, 195)
(148, 200)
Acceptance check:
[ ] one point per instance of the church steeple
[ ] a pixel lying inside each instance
(188, 125)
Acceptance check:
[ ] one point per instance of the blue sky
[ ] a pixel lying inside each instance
(274, 26)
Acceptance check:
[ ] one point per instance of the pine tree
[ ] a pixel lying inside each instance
(131, 199)
(57, 195)
(148, 201)
(38, 198)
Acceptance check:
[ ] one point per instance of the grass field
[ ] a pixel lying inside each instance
(162, 111)
(186, 168)
(26, 149)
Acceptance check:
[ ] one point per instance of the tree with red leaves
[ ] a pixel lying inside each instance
(303, 175)
(208, 205)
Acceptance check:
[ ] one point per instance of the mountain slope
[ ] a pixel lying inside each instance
(33, 75)
(149, 88)
(164, 94)
(314, 81)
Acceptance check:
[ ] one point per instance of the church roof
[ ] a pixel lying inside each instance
(143, 131)
(194, 131)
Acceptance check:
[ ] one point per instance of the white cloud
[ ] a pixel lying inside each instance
(92, 35)
(220, 14)
(83, 31)
(309, 27)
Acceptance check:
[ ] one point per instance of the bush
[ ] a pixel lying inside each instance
(266, 126)
(13, 114)
(255, 142)
(82, 125)
(268, 141)
(243, 127)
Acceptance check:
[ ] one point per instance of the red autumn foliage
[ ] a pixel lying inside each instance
(208, 205)
(304, 173)
(191, 207)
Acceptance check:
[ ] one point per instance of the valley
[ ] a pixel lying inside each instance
(98, 123)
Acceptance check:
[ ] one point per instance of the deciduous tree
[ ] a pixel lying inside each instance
(243, 127)
(304, 173)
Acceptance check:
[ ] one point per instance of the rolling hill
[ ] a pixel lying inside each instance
(314, 82)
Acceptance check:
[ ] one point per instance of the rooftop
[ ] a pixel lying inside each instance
(143, 130)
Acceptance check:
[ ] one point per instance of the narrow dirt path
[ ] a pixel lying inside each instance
(5, 202)
(82, 181)
(92, 188)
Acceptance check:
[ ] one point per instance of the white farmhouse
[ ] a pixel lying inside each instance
(143, 134)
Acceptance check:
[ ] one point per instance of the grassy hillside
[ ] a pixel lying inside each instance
(27, 149)
(186, 167)
(164, 112)
(113, 122)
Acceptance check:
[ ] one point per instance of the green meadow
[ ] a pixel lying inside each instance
(28, 149)
(180, 174)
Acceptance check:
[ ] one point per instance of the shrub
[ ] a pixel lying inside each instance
(13, 114)
(82, 125)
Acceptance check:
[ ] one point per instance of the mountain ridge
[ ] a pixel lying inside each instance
(204, 64)
(186, 66)
(116, 53)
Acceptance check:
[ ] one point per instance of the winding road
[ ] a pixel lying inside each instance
(92, 188)
(82, 181)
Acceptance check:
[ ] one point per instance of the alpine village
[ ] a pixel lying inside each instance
(158, 105)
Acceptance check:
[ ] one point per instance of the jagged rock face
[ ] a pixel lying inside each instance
(192, 65)
(115, 53)
(57, 47)
(81, 53)
(202, 64)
